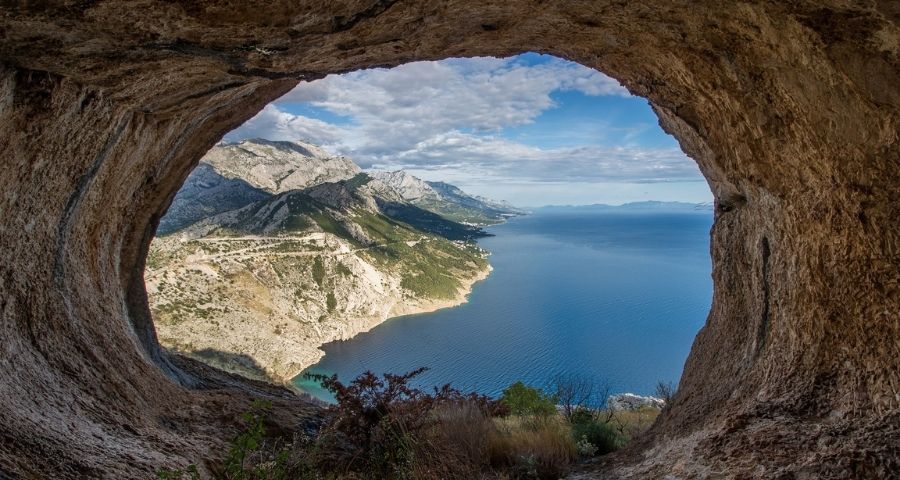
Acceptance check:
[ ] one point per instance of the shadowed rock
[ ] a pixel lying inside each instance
(790, 109)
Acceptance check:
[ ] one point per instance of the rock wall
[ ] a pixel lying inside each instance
(792, 111)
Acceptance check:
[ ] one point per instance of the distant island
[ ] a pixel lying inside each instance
(271, 249)
(649, 205)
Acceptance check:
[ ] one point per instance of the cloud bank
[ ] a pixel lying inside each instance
(453, 115)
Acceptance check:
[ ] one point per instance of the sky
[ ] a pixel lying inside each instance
(530, 129)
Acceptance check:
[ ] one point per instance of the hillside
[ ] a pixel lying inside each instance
(233, 175)
(258, 288)
(447, 200)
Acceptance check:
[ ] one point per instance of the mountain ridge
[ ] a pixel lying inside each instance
(447, 200)
(266, 274)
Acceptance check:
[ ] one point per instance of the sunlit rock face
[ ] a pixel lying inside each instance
(791, 111)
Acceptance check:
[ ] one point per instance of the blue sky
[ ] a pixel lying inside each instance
(531, 129)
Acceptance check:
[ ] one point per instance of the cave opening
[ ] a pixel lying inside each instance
(789, 110)
(393, 193)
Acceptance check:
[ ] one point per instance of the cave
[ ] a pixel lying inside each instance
(791, 110)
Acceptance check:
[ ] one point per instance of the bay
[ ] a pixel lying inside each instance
(615, 294)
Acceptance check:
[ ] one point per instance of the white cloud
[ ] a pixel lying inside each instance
(450, 115)
(492, 156)
(273, 123)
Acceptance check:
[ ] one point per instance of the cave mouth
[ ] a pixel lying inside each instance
(251, 270)
(789, 111)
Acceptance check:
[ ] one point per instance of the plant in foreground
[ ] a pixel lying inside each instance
(522, 399)
(379, 425)
(251, 456)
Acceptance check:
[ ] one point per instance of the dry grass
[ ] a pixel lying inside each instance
(631, 423)
(456, 447)
(532, 447)
(467, 444)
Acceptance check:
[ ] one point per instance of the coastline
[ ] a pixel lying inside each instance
(397, 309)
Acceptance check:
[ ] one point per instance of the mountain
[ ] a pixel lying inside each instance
(447, 200)
(333, 207)
(645, 206)
(205, 193)
(279, 166)
(233, 175)
(251, 273)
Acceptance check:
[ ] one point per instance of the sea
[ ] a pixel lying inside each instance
(614, 294)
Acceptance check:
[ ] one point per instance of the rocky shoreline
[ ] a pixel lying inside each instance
(279, 353)
(400, 309)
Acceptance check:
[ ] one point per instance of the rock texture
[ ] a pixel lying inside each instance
(278, 167)
(791, 110)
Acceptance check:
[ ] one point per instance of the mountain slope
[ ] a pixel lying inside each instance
(265, 284)
(206, 193)
(446, 200)
(279, 166)
(233, 175)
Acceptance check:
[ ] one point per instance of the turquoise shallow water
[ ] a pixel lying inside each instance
(617, 295)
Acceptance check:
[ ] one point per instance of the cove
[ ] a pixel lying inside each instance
(614, 293)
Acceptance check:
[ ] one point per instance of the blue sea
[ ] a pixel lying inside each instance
(616, 294)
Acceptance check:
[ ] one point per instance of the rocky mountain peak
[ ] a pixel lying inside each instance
(408, 186)
(279, 166)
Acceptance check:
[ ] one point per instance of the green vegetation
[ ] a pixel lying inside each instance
(318, 271)
(343, 270)
(154, 260)
(331, 302)
(594, 435)
(381, 427)
(461, 213)
(296, 223)
(328, 224)
(431, 283)
(252, 456)
(383, 229)
(524, 400)
(430, 222)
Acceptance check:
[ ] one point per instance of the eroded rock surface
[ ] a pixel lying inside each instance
(791, 109)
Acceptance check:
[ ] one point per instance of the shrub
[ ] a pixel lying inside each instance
(631, 423)
(330, 301)
(585, 447)
(379, 425)
(597, 432)
(574, 392)
(318, 271)
(524, 400)
(665, 392)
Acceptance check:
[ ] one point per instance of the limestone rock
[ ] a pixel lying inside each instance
(278, 167)
(631, 401)
(791, 110)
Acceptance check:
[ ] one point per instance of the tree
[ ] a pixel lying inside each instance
(574, 392)
(665, 392)
(525, 400)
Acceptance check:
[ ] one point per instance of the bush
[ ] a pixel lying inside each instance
(666, 392)
(318, 271)
(381, 426)
(524, 400)
(574, 392)
(600, 434)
